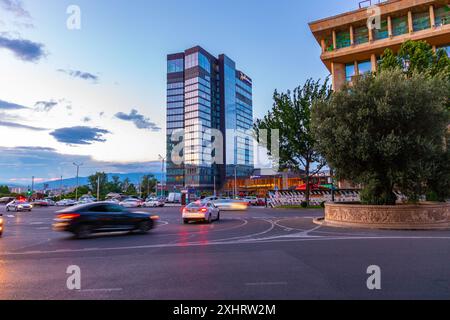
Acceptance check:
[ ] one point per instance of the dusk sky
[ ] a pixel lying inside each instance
(97, 95)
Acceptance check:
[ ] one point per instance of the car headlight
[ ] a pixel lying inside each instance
(1, 221)
(20, 207)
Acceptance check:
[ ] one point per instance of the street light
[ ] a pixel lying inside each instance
(78, 165)
(163, 159)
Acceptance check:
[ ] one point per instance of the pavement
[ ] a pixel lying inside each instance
(269, 254)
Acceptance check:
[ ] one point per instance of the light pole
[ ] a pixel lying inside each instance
(163, 159)
(78, 165)
(235, 181)
(61, 188)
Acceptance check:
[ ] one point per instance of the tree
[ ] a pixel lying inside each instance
(93, 182)
(147, 185)
(386, 132)
(4, 190)
(131, 190)
(115, 185)
(291, 115)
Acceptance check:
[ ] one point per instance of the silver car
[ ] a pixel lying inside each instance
(231, 205)
(201, 211)
(17, 205)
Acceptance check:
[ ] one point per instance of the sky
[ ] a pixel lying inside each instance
(97, 94)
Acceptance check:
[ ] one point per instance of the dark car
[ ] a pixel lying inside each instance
(1, 225)
(83, 220)
(6, 200)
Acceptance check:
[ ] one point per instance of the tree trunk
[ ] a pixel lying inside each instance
(307, 184)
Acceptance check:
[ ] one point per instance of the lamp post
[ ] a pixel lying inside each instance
(163, 159)
(78, 165)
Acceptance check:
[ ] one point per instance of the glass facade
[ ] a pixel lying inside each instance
(349, 71)
(400, 26)
(383, 32)
(361, 35)
(421, 21)
(364, 67)
(442, 16)
(343, 39)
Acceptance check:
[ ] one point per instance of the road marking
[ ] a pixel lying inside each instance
(10, 216)
(101, 290)
(280, 283)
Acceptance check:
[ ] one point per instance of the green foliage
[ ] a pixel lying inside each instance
(385, 132)
(95, 179)
(148, 185)
(291, 115)
(4, 190)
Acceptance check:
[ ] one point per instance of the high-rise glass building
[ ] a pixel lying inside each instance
(206, 93)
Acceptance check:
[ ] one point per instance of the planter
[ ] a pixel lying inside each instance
(424, 216)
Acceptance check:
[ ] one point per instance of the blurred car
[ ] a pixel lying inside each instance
(83, 220)
(252, 201)
(66, 203)
(231, 205)
(210, 199)
(131, 203)
(40, 203)
(1, 225)
(17, 205)
(6, 200)
(199, 211)
(50, 202)
(154, 202)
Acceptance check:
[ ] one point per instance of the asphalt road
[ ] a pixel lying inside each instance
(258, 254)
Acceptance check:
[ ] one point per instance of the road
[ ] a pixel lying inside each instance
(258, 254)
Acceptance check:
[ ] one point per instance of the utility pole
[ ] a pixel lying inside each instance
(78, 165)
(98, 188)
(235, 181)
(61, 188)
(215, 193)
(163, 159)
(32, 185)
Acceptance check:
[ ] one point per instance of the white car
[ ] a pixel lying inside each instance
(17, 205)
(199, 211)
(131, 203)
(153, 203)
(253, 201)
(66, 203)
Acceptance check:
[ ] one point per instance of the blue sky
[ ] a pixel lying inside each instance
(98, 93)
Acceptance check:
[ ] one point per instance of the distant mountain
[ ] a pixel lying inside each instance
(72, 182)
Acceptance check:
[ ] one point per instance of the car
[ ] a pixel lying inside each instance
(40, 203)
(200, 211)
(50, 202)
(18, 205)
(131, 203)
(154, 202)
(66, 203)
(252, 201)
(231, 205)
(1, 225)
(84, 220)
(6, 200)
(209, 199)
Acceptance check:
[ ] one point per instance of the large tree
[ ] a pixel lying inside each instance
(147, 185)
(387, 132)
(291, 115)
(103, 186)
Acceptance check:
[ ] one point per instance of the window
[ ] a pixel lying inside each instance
(446, 49)
(176, 85)
(349, 71)
(361, 35)
(175, 98)
(382, 33)
(442, 16)
(174, 92)
(399, 26)
(421, 21)
(364, 67)
(175, 65)
(343, 39)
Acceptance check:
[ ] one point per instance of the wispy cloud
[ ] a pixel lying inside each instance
(25, 50)
(16, 7)
(5, 105)
(79, 135)
(45, 106)
(80, 74)
(19, 126)
(139, 120)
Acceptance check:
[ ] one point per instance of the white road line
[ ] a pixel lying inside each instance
(280, 283)
(100, 290)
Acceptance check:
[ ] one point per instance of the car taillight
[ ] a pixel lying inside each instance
(68, 216)
(184, 210)
(203, 210)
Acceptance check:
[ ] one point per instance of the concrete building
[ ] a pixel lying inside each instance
(204, 93)
(353, 42)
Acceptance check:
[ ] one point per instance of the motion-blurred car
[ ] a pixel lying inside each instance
(66, 203)
(154, 202)
(40, 203)
(17, 205)
(199, 211)
(252, 201)
(231, 205)
(83, 220)
(6, 200)
(50, 202)
(1, 225)
(210, 199)
(131, 203)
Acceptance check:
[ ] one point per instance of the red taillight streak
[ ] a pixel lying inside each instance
(68, 216)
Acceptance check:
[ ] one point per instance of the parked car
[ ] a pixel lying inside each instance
(66, 203)
(231, 205)
(174, 197)
(40, 203)
(2, 228)
(50, 202)
(83, 220)
(131, 203)
(17, 205)
(252, 201)
(199, 211)
(6, 200)
(154, 202)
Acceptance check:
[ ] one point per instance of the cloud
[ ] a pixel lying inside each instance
(25, 161)
(86, 119)
(80, 74)
(19, 126)
(10, 106)
(45, 106)
(25, 50)
(79, 135)
(139, 120)
(16, 7)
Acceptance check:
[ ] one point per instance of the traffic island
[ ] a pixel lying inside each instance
(423, 216)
